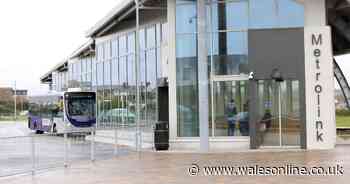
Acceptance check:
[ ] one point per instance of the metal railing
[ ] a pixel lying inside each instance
(32, 153)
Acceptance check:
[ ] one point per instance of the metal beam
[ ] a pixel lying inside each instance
(120, 18)
(153, 8)
(115, 22)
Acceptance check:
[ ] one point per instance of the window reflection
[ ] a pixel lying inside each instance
(228, 15)
(186, 16)
(231, 104)
(263, 14)
(276, 13)
(186, 68)
(228, 47)
(291, 13)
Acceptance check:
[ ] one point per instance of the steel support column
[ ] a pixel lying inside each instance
(137, 74)
(203, 84)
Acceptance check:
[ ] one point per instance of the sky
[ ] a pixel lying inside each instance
(35, 35)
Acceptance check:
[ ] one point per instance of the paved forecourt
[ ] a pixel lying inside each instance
(168, 167)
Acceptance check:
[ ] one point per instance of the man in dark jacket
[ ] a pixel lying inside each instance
(231, 112)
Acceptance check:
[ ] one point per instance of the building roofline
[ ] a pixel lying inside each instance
(87, 46)
(83, 48)
(122, 6)
(55, 68)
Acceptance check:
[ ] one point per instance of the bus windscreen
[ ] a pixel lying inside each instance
(80, 109)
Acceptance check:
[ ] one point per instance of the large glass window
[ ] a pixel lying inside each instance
(186, 68)
(94, 73)
(116, 77)
(229, 22)
(107, 50)
(107, 74)
(228, 26)
(131, 71)
(276, 13)
(122, 45)
(100, 74)
(122, 71)
(151, 85)
(263, 13)
(230, 15)
(114, 48)
(143, 110)
(131, 43)
(151, 37)
(278, 113)
(115, 73)
(100, 52)
(290, 13)
(186, 16)
(230, 108)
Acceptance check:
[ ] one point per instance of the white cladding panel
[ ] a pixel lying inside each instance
(319, 88)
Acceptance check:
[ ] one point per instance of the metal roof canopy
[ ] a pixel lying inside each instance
(60, 67)
(84, 50)
(116, 12)
(121, 12)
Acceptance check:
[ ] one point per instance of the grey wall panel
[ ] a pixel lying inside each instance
(276, 48)
(281, 49)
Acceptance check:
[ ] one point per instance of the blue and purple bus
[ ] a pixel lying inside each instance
(62, 112)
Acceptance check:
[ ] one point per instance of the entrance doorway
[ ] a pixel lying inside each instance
(279, 123)
(229, 109)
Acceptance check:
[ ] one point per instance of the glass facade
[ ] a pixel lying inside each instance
(227, 25)
(59, 81)
(279, 113)
(230, 103)
(227, 28)
(111, 73)
(80, 72)
(186, 69)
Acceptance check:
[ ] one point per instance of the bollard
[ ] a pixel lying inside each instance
(92, 156)
(115, 142)
(33, 154)
(65, 150)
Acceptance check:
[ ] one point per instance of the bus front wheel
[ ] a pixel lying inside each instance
(39, 132)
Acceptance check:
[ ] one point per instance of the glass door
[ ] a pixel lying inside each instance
(230, 108)
(279, 114)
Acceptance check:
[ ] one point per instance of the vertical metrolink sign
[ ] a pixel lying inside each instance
(319, 88)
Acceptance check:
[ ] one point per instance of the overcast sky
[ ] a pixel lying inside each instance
(37, 34)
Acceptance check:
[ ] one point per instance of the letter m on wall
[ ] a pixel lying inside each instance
(316, 39)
